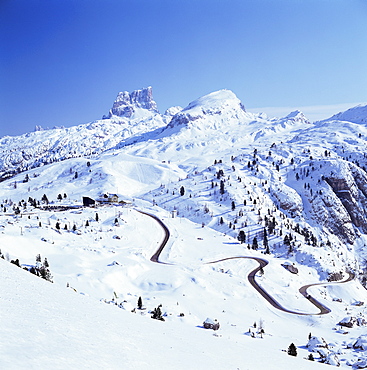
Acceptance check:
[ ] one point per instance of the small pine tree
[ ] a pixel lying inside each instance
(140, 303)
(87, 223)
(292, 350)
(265, 242)
(97, 217)
(59, 197)
(44, 199)
(45, 274)
(254, 244)
(182, 191)
(241, 237)
(57, 225)
(286, 240)
(221, 191)
(310, 357)
(233, 206)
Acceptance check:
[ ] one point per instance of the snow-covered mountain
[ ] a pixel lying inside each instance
(356, 114)
(286, 190)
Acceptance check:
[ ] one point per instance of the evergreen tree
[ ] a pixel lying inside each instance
(233, 206)
(87, 223)
(57, 225)
(140, 303)
(221, 221)
(292, 350)
(45, 273)
(310, 357)
(44, 199)
(59, 197)
(265, 242)
(241, 237)
(97, 217)
(286, 240)
(221, 190)
(182, 191)
(255, 244)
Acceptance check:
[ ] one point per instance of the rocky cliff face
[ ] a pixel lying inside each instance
(126, 103)
(352, 192)
(341, 206)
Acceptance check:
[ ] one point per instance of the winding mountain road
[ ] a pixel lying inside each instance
(323, 310)
(155, 257)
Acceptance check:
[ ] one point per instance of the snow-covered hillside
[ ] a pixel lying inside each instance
(226, 183)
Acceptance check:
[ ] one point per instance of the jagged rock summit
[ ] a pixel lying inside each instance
(126, 104)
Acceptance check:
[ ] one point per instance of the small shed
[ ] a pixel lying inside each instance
(211, 324)
(108, 198)
(113, 198)
(88, 202)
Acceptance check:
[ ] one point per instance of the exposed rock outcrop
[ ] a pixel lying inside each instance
(350, 186)
(126, 103)
(341, 203)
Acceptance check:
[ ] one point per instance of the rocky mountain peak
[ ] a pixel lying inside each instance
(126, 103)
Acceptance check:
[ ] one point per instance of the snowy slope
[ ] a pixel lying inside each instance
(219, 170)
(44, 323)
(356, 114)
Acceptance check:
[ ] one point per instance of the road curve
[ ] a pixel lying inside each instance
(155, 257)
(323, 310)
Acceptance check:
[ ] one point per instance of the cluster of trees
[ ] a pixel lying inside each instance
(157, 313)
(39, 269)
(33, 202)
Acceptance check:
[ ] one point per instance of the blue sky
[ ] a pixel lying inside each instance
(62, 62)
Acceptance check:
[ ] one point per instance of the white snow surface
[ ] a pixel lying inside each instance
(357, 114)
(272, 168)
